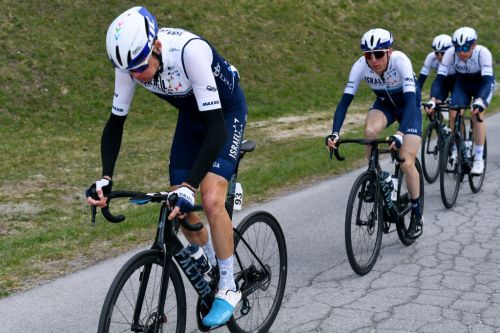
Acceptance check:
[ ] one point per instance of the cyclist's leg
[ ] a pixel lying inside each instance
(480, 136)
(376, 120)
(213, 192)
(408, 151)
(186, 144)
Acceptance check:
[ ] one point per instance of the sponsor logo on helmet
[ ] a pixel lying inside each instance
(118, 29)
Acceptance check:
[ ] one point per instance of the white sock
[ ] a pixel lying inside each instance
(226, 280)
(209, 251)
(479, 153)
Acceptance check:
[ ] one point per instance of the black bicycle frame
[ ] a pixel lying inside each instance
(168, 243)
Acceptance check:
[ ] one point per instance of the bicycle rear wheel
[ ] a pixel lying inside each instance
(476, 181)
(430, 152)
(260, 272)
(363, 225)
(404, 204)
(451, 172)
(137, 284)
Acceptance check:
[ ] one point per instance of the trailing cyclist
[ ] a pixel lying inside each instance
(187, 72)
(390, 75)
(475, 80)
(440, 44)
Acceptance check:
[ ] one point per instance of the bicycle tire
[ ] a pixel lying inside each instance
(404, 205)
(451, 172)
(123, 296)
(265, 236)
(430, 152)
(476, 181)
(370, 230)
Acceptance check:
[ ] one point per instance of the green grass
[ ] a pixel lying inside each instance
(56, 89)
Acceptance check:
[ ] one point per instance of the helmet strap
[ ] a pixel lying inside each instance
(158, 57)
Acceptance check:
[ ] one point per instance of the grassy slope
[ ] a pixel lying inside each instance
(56, 87)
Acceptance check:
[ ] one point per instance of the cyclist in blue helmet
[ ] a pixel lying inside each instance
(475, 82)
(390, 75)
(187, 72)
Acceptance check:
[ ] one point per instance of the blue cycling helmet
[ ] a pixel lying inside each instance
(376, 39)
(464, 36)
(130, 37)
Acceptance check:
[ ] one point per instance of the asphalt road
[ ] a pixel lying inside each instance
(448, 281)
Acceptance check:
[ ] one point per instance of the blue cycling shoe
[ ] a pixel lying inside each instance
(222, 308)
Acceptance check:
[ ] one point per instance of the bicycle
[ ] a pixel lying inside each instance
(148, 295)
(366, 220)
(433, 139)
(453, 168)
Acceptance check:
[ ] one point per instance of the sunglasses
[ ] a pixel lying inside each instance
(376, 54)
(439, 53)
(143, 65)
(463, 48)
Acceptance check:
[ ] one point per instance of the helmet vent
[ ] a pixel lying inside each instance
(117, 51)
(146, 26)
(129, 58)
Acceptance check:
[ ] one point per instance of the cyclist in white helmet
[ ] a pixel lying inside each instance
(187, 72)
(475, 81)
(390, 75)
(440, 44)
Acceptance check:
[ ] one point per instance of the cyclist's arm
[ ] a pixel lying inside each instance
(340, 112)
(438, 84)
(421, 80)
(110, 143)
(409, 94)
(410, 107)
(425, 71)
(197, 58)
(113, 131)
(355, 76)
(487, 78)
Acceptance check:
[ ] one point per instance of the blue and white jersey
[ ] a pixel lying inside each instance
(479, 64)
(194, 75)
(431, 63)
(397, 79)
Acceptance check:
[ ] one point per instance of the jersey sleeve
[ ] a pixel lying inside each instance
(197, 59)
(486, 62)
(355, 76)
(124, 92)
(405, 69)
(426, 68)
(446, 62)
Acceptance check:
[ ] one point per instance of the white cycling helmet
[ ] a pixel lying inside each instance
(376, 39)
(130, 38)
(464, 36)
(441, 43)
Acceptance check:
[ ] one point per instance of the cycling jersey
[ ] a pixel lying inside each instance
(195, 79)
(396, 91)
(474, 76)
(431, 63)
(194, 75)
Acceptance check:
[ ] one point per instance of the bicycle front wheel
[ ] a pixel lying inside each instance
(451, 171)
(476, 181)
(260, 272)
(135, 292)
(363, 225)
(430, 151)
(403, 204)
